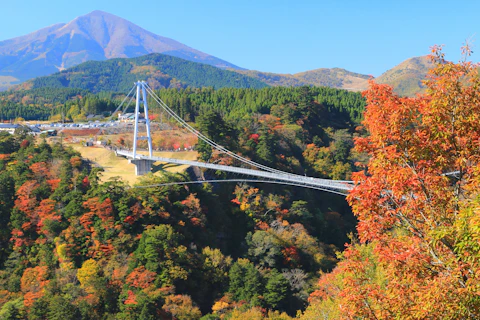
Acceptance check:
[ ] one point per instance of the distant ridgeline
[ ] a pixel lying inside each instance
(36, 104)
(337, 106)
(160, 71)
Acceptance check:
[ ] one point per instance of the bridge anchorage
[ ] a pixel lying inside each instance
(143, 164)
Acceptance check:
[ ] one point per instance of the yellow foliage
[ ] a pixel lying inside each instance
(56, 118)
(219, 306)
(251, 314)
(215, 258)
(181, 307)
(88, 275)
(62, 251)
(244, 206)
(321, 309)
(243, 261)
(276, 315)
(177, 272)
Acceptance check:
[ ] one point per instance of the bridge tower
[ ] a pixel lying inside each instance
(141, 100)
(142, 166)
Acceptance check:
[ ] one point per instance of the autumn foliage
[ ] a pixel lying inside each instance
(418, 225)
(74, 245)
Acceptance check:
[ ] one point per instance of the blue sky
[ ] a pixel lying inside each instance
(280, 36)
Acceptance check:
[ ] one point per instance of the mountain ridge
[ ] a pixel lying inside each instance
(406, 77)
(159, 70)
(99, 36)
(329, 77)
(95, 36)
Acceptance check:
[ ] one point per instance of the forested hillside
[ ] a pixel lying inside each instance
(73, 247)
(160, 71)
(36, 104)
(417, 254)
(337, 105)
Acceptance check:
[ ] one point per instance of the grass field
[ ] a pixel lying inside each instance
(119, 167)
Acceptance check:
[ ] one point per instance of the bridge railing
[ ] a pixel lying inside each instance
(324, 183)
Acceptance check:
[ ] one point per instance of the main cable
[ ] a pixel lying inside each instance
(209, 141)
(121, 104)
(239, 180)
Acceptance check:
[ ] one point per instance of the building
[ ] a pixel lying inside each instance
(12, 127)
(9, 127)
(129, 117)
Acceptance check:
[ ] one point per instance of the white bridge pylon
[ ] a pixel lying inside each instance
(143, 163)
(141, 100)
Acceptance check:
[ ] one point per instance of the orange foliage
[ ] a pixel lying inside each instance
(40, 170)
(291, 256)
(85, 182)
(261, 225)
(415, 257)
(46, 212)
(137, 212)
(25, 201)
(76, 162)
(118, 276)
(30, 297)
(141, 278)
(32, 283)
(103, 210)
(132, 299)
(193, 210)
(86, 221)
(25, 143)
(17, 238)
(53, 183)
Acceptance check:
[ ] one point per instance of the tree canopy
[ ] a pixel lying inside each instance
(417, 255)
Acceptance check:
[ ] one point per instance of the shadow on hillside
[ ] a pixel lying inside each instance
(163, 167)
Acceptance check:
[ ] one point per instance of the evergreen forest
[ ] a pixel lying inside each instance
(161, 71)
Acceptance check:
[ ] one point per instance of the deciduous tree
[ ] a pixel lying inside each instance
(414, 217)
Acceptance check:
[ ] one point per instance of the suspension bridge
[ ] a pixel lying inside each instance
(143, 163)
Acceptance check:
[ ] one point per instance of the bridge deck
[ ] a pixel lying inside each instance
(295, 178)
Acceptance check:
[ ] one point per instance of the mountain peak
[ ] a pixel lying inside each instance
(97, 35)
(99, 13)
(406, 78)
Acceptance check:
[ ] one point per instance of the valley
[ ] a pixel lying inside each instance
(323, 194)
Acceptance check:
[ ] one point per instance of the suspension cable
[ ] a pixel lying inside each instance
(121, 104)
(239, 180)
(209, 141)
(215, 145)
(128, 104)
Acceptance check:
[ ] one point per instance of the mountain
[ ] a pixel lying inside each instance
(100, 36)
(406, 78)
(334, 78)
(95, 36)
(159, 70)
